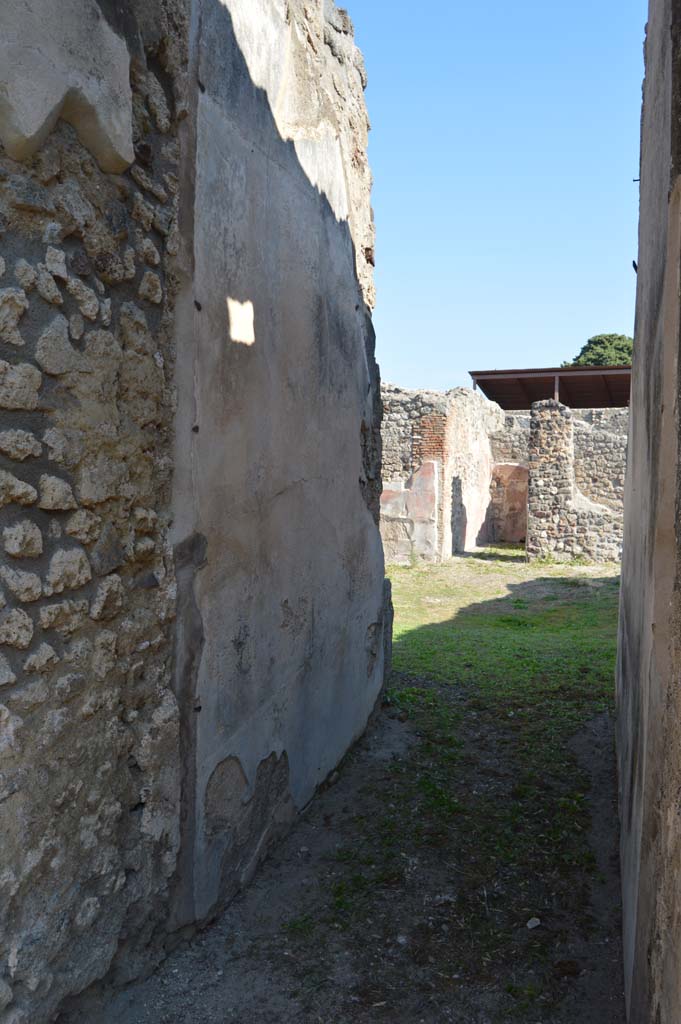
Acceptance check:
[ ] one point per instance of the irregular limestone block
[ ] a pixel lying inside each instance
(157, 102)
(9, 727)
(150, 288)
(19, 386)
(69, 569)
(100, 480)
(14, 490)
(55, 261)
(42, 660)
(23, 539)
(7, 677)
(85, 526)
(56, 494)
(88, 303)
(72, 66)
(65, 616)
(47, 287)
(19, 444)
(108, 553)
(54, 353)
(25, 586)
(16, 629)
(61, 448)
(13, 305)
(149, 253)
(108, 599)
(25, 275)
(104, 655)
(143, 212)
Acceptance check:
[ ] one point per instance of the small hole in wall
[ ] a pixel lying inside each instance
(198, 305)
(195, 428)
(201, 85)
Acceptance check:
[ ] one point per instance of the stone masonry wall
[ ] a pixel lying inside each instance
(451, 430)
(166, 675)
(412, 429)
(562, 522)
(89, 725)
(600, 462)
(481, 486)
(510, 444)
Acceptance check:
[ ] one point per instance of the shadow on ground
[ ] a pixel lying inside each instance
(463, 867)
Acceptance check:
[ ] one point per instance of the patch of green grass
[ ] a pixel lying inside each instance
(301, 927)
(497, 664)
(524, 655)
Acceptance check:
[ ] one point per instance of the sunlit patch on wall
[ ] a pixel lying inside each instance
(241, 322)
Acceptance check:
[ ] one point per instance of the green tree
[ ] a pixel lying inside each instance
(605, 350)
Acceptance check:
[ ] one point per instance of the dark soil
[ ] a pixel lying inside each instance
(463, 868)
(322, 937)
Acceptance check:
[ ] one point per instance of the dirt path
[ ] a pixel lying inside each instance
(405, 892)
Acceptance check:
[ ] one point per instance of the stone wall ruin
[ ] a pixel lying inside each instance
(563, 522)
(193, 624)
(500, 477)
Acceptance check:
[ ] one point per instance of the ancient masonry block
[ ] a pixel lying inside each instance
(170, 596)
(485, 461)
(561, 521)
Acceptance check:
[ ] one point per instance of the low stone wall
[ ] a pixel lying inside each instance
(561, 521)
(483, 456)
(451, 430)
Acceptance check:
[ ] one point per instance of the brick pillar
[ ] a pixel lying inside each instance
(429, 443)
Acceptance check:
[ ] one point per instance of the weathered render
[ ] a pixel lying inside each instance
(649, 663)
(459, 473)
(193, 626)
(450, 430)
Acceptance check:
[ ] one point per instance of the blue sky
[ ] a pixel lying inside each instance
(504, 141)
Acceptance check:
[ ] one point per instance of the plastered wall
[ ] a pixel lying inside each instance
(192, 614)
(649, 711)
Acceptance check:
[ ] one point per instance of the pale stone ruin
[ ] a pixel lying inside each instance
(194, 624)
(459, 473)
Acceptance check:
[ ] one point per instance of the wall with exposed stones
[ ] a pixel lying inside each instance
(649, 658)
(601, 459)
(479, 492)
(192, 615)
(452, 431)
(562, 522)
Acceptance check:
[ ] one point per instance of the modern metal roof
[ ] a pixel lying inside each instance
(579, 387)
